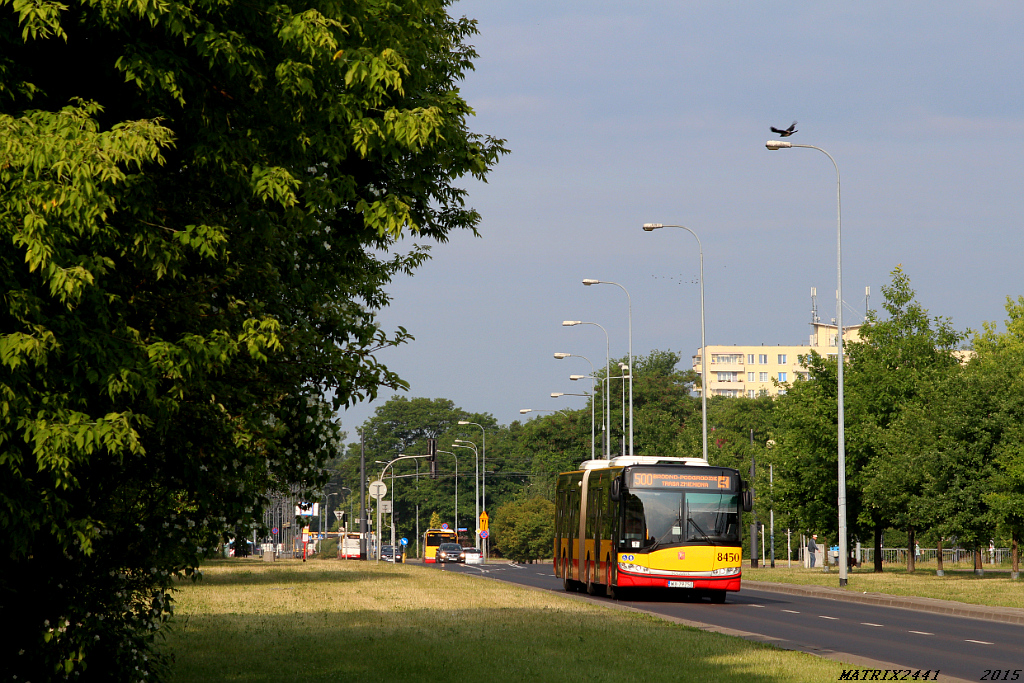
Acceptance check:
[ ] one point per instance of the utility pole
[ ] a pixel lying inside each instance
(753, 514)
(362, 496)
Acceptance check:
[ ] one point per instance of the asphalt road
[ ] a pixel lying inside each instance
(867, 635)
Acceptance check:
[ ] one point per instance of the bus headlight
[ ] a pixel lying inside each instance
(634, 568)
(725, 571)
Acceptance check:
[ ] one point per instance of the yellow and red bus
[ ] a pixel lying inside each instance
(434, 538)
(648, 522)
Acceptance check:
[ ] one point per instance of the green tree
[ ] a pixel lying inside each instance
(892, 370)
(887, 376)
(197, 198)
(524, 530)
(998, 365)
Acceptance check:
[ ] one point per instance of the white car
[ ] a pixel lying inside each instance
(473, 556)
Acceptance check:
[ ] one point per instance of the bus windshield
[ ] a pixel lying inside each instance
(655, 519)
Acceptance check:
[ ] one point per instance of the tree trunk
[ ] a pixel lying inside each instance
(938, 557)
(979, 568)
(911, 557)
(878, 548)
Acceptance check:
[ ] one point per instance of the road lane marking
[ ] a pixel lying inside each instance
(868, 623)
(757, 605)
(791, 611)
(921, 633)
(822, 616)
(979, 642)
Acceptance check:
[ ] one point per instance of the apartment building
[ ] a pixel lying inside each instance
(754, 370)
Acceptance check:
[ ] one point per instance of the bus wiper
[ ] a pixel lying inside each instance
(699, 530)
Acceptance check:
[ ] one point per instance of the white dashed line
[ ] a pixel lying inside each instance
(822, 616)
(921, 633)
(868, 623)
(979, 642)
(791, 611)
(757, 606)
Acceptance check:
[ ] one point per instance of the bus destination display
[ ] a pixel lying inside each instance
(679, 480)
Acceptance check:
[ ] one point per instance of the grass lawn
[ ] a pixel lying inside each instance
(995, 588)
(336, 621)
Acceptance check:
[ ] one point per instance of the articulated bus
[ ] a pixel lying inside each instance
(434, 538)
(642, 521)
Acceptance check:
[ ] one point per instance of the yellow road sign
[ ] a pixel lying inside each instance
(483, 521)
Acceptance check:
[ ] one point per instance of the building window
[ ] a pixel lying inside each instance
(750, 359)
(726, 358)
(750, 393)
(750, 377)
(782, 377)
(832, 340)
(762, 377)
(728, 376)
(782, 359)
(762, 359)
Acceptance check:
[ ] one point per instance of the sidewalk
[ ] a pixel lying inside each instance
(1006, 615)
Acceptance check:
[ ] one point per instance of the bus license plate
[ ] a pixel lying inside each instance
(680, 584)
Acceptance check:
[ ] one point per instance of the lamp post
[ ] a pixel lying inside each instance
(629, 301)
(560, 356)
(483, 476)
(391, 464)
(456, 490)
(703, 344)
(608, 386)
(607, 372)
(476, 485)
(777, 145)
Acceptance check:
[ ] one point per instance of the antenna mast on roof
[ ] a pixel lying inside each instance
(814, 306)
(867, 299)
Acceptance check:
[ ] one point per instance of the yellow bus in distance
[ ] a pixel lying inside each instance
(433, 539)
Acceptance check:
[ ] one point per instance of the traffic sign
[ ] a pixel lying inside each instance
(338, 513)
(445, 526)
(378, 489)
(274, 531)
(404, 541)
(485, 533)
(483, 521)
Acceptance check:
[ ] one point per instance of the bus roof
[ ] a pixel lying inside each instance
(626, 460)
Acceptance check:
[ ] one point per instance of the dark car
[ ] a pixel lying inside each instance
(391, 553)
(449, 552)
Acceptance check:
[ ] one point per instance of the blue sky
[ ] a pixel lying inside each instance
(618, 114)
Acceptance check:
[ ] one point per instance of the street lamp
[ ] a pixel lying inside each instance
(483, 475)
(456, 490)
(777, 145)
(391, 464)
(703, 344)
(561, 356)
(607, 372)
(524, 411)
(476, 485)
(629, 301)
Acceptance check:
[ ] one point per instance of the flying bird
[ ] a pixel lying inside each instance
(785, 133)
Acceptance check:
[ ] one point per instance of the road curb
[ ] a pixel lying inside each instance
(1005, 615)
